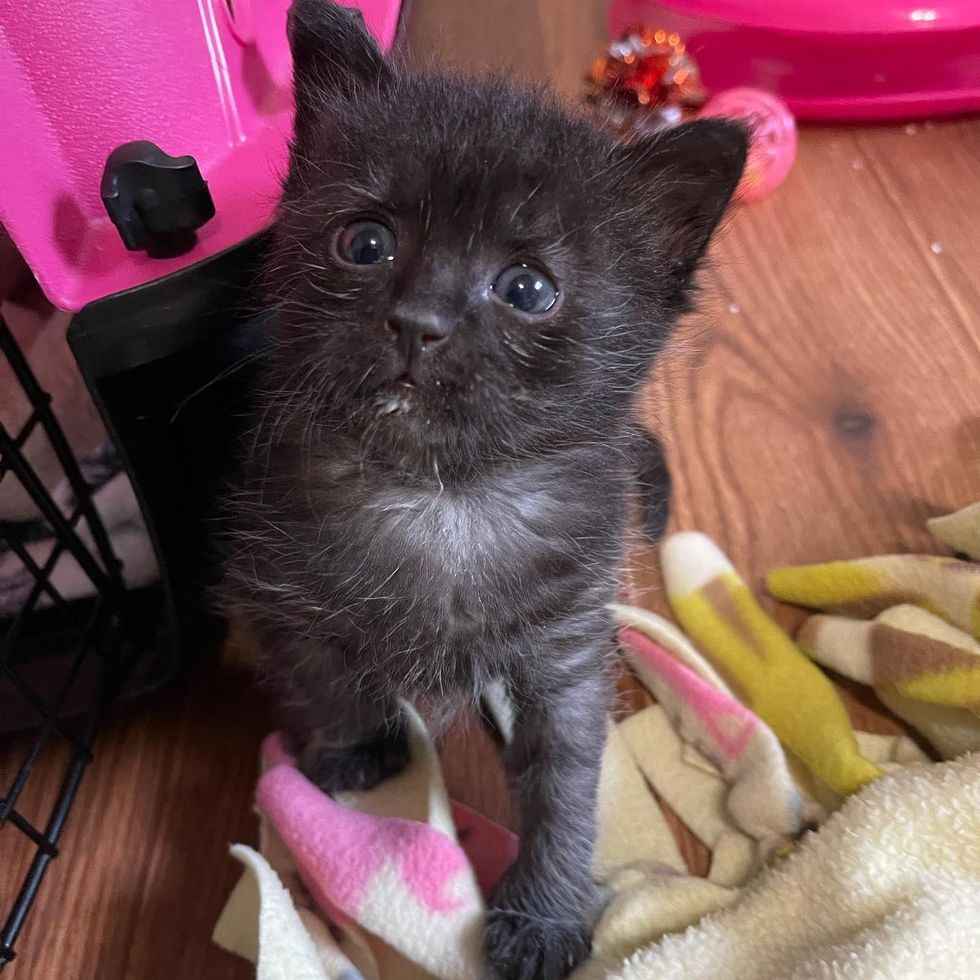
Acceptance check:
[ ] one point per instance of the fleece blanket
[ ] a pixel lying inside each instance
(834, 852)
(889, 888)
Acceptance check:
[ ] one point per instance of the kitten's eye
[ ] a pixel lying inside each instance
(367, 243)
(526, 289)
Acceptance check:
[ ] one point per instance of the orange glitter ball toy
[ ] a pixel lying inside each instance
(648, 68)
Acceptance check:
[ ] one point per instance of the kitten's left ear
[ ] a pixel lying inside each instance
(333, 53)
(687, 176)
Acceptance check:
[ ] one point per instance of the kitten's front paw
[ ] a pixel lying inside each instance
(523, 946)
(361, 766)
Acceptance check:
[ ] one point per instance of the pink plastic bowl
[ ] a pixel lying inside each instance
(830, 59)
(209, 78)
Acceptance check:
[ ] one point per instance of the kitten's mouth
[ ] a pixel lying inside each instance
(399, 394)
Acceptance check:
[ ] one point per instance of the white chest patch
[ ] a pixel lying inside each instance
(458, 531)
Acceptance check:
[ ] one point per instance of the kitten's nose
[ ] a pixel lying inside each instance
(418, 333)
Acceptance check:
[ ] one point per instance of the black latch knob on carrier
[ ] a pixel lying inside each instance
(156, 201)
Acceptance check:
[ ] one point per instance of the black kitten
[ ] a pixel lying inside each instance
(471, 285)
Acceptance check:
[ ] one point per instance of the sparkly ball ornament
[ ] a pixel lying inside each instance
(646, 69)
(772, 144)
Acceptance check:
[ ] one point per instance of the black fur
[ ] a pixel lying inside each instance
(422, 541)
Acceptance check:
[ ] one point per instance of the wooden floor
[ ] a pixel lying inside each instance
(822, 405)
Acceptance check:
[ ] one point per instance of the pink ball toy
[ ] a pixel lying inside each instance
(772, 149)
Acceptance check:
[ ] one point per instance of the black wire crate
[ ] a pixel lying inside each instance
(105, 589)
(64, 653)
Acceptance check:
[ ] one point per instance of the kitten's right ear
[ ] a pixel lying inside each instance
(333, 54)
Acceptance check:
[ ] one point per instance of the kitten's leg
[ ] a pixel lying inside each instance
(652, 483)
(542, 912)
(345, 741)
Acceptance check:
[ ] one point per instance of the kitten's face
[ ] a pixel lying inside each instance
(464, 269)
